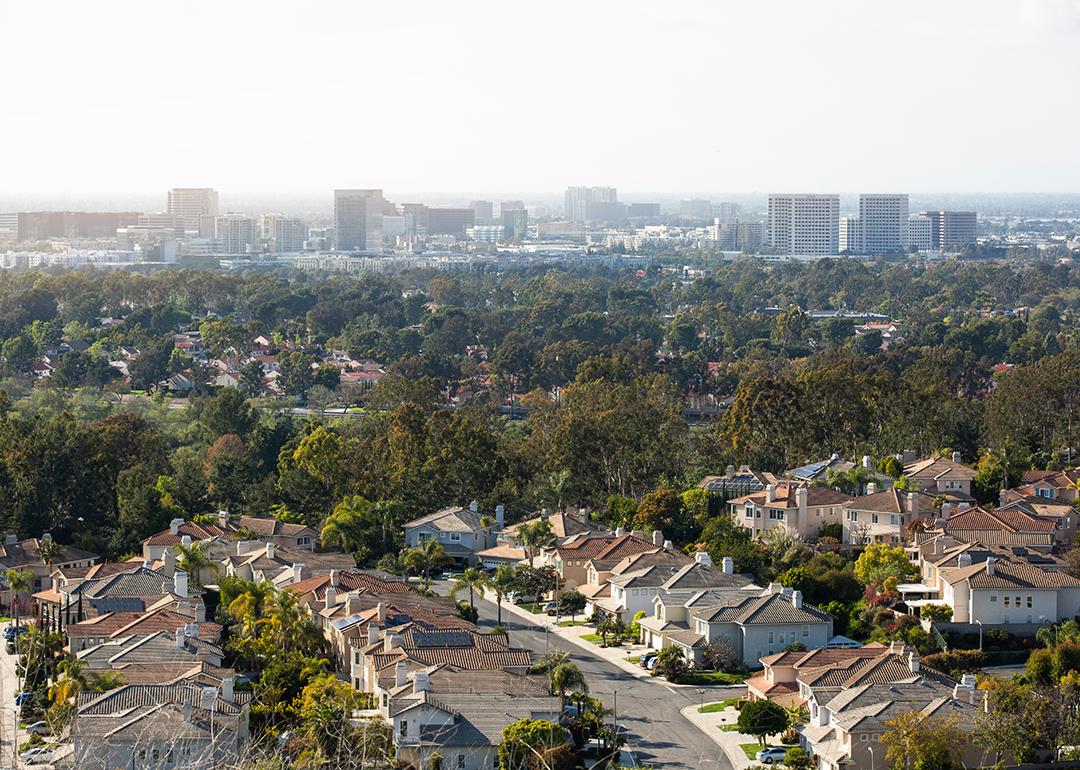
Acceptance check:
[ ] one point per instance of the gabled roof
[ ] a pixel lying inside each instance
(28, 553)
(270, 527)
(123, 624)
(453, 519)
(363, 581)
(938, 468)
(562, 525)
(892, 501)
(785, 496)
(1009, 575)
(1010, 519)
(190, 528)
(762, 609)
(618, 547)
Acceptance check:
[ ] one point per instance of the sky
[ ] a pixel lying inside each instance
(711, 95)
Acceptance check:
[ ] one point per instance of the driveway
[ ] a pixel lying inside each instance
(659, 735)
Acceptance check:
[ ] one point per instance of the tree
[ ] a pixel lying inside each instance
(250, 381)
(535, 744)
(671, 664)
(720, 656)
(566, 677)
(503, 582)
(660, 510)
(19, 581)
(880, 561)
(762, 718)
(195, 560)
(924, 742)
(426, 557)
(473, 579)
(796, 758)
(571, 603)
(535, 535)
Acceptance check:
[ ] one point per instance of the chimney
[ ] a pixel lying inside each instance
(913, 661)
(871, 488)
(770, 492)
(401, 673)
(223, 519)
(800, 501)
(352, 604)
(180, 584)
(373, 632)
(269, 550)
(1003, 497)
(209, 695)
(728, 565)
(331, 597)
(668, 545)
(796, 599)
(657, 537)
(227, 689)
(703, 558)
(619, 532)
(990, 565)
(913, 503)
(964, 560)
(391, 642)
(187, 710)
(47, 536)
(962, 506)
(500, 516)
(380, 608)
(169, 562)
(180, 640)
(946, 510)
(956, 457)
(965, 689)
(191, 630)
(174, 526)
(776, 588)
(186, 541)
(867, 461)
(421, 682)
(474, 506)
(200, 613)
(583, 515)
(147, 564)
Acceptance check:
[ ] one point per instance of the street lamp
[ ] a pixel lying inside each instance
(980, 634)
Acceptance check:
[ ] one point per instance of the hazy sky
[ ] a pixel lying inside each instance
(717, 95)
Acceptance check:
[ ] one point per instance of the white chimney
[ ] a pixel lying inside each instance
(187, 710)
(227, 689)
(801, 495)
(209, 695)
(391, 642)
(657, 537)
(47, 537)
(380, 608)
(703, 558)
(169, 563)
(298, 572)
(500, 516)
(946, 510)
(964, 560)
(796, 599)
(668, 545)
(352, 604)
(421, 682)
(965, 690)
(186, 541)
(619, 532)
(770, 492)
(401, 673)
(174, 526)
(913, 503)
(180, 641)
(269, 550)
(990, 565)
(191, 630)
(180, 584)
(728, 565)
(474, 506)
(147, 564)
(331, 597)
(913, 661)
(871, 488)
(776, 588)
(729, 471)
(1003, 497)
(373, 632)
(867, 461)
(956, 457)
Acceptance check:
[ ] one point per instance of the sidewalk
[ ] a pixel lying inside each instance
(729, 742)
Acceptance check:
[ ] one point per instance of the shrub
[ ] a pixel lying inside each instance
(762, 717)
(956, 663)
(671, 664)
(797, 759)
(938, 613)
(720, 656)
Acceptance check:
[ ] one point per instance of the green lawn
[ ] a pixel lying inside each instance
(533, 607)
(634, 659)
(594, 638)
(713, 677)
(568, 623)
(750, 749)
(710, 708)
(728, 728)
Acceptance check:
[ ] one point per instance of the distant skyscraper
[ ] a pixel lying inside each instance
(804, 224)
(235, 234)
(643, 210)
(483, 212)
(515, 224)
(695, 208)
(732, 235)
(578, 199)
(511, 206)
(282, 234)
(850, 235)
(921, 232)
(726, 210)
(193, 202)
(952, 228)
(422, 221)
(883, 222)
(358, 219)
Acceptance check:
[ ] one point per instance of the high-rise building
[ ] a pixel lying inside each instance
(236, 234)
(42, 225)
(726, 210)
(358, 219)
(422, 220)
(643, 210)
(883, 221)
(282, 234)
(192, 202)
(733, 235)
(515, 224)
(607, 212)
(578, 200)
(850, 235)
(952, 228)
(921, 232)
(483, 212)
(695, 208)
(510, 206)
(804, 224)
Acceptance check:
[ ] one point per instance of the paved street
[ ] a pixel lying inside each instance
(8, 687)
(659, 735)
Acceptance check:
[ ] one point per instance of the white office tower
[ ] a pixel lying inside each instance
(921, 232)
(804, 224)
(235, 234)
(733, 235)
(193, 202)
(850, 235)
(282, 234)
(358, 219)
(883, 219)
(579, 199)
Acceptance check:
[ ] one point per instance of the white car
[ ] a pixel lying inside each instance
(37, 756)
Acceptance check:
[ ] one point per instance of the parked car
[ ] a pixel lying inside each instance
(37, 756)
(771, 754)
(23, 697)
(551, 608)
(38, 728)
(12, 631)
(10, 646)
(646, 659)
(512, 597)
(651, 665)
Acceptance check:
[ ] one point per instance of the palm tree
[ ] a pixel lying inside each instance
(534, 536)
(194, 560)
(426, 557)
(103, 681)
(48, 550)
(70, 683)
(503, 582)
(566, 677)
(389, 514)
(549, 662)
(18, 581)
(474, 579)
(344, 527)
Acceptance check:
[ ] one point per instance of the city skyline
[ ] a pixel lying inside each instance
(624, 96)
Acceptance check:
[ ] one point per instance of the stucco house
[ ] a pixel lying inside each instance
(458, 530)
(801, 510)
(942, 475)
(880, 517)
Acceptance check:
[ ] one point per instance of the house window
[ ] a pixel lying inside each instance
(852, 515)
(455, 537)
(864, 737)
(1018, 602)
(749, 512)
(771, 639)
(1006, 601)
(873, 518)
(1029, 601)
(303, 541)
(461, 761)
(404, 727)
(806, 630)
(894, 520)
(781, 639)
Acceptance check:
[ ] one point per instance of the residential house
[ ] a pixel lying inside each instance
(942, 476)
(1050, 485)
(1012, 524)
(563, 524)
(846, 732)
(500, 555)
(459, 530)
(622, 587)
(803, 511)
(571, 558)
(1000, 592)
(183, 725)
(27, 554)
(182, 645)
(779, 678)
(881, 517)
(817, 472)
(155, 546)
(738, 481)
(257, 561)
(461, 715)
(139, 590)
(268, 530)
(1059, 509)
(120, 625)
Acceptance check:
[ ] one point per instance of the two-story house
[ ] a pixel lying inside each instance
(801, 510)
(881, 517)
(459, 530)
(572, 558)
(942, 476)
